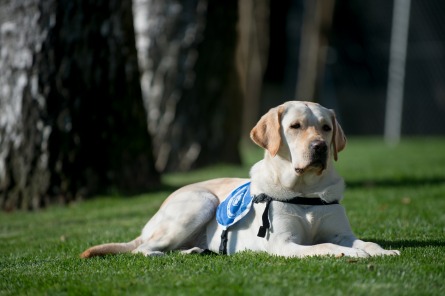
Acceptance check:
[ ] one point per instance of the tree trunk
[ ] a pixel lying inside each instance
(190, 84)
(317, 21)
(252, 52)
(72, 121)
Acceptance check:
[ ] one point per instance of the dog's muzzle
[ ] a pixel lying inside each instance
(317, 157)
(319, 153)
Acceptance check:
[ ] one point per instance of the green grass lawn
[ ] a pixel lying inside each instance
(395, 197)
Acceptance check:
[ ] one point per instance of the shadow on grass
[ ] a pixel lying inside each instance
(167, 188)
(397, 244)
(389, 183)
(402, 182)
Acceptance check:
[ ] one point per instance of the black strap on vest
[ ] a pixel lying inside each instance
(223, 245)
(266, 224)
(309, 201)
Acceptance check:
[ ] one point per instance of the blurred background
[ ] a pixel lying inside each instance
(110, 94)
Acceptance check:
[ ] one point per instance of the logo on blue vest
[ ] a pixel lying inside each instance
(235, 206)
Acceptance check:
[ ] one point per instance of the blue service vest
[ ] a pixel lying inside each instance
(237, 205)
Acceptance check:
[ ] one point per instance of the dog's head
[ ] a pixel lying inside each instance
(305, 133)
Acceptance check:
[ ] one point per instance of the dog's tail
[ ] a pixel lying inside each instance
(111, 248)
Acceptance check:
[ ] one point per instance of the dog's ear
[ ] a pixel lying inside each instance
(338, 137)
(266, 132)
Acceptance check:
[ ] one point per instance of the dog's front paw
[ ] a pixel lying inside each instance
(385, 253)
(374, 249)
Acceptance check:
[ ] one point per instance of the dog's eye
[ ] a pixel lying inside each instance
(327, 128)
(295, 125)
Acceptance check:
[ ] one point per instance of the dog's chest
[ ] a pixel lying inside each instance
(303, 213)
(300, 221)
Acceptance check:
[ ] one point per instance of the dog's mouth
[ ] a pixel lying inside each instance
(317, 163)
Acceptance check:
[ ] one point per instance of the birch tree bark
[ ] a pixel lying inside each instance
(72, 121)
(186, 51)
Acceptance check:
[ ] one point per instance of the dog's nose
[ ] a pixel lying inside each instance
(319, 146)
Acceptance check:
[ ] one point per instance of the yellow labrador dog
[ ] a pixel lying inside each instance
(292, 206)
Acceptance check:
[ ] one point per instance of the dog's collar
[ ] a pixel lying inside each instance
(298, 200)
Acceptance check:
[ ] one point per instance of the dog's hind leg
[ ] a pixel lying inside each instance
(178, 223)
(194, 250)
